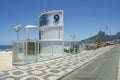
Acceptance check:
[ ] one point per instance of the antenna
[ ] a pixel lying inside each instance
(44, 6)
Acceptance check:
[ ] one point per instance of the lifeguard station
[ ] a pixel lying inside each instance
(50, 43)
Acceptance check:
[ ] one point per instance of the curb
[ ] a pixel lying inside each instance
(118, 72)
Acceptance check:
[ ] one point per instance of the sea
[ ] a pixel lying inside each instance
(5, 47)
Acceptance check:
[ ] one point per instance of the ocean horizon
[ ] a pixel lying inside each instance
(4, 47)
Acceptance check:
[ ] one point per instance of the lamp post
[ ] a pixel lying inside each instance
(17, 29)
(73, 37)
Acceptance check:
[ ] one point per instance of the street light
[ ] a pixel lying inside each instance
(73, 37)
(17, 29)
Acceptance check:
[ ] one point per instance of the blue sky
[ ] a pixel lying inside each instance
(84, 18)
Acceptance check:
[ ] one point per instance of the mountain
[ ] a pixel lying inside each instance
(118, 35)
(101, 36)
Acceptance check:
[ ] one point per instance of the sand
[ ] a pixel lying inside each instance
(5, 60)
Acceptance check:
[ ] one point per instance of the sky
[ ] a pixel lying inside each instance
(83, 18)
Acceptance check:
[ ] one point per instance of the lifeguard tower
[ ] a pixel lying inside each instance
(50, 42)
(51, 33)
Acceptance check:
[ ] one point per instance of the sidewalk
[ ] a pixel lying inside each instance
(51, 69)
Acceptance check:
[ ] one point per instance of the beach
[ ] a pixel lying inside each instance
(5, 60)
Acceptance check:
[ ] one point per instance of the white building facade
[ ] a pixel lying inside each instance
(51, 29)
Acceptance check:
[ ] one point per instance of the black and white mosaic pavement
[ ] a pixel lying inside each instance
(51, 69)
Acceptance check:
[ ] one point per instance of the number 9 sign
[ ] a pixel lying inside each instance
(56, 18)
